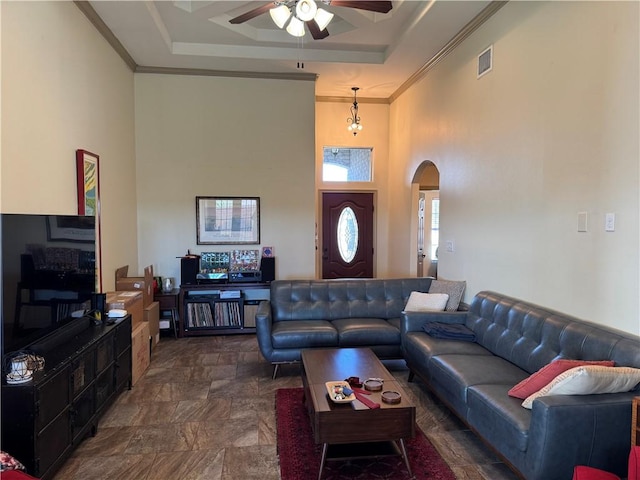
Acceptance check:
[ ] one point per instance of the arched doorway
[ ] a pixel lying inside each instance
(426, 204)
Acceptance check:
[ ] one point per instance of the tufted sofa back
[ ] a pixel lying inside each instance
(342, 298)
(532, 336)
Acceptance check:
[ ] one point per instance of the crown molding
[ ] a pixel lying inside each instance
(382, 101)
(459, 37)
(465, 32)
(108, 35)
(226, 73)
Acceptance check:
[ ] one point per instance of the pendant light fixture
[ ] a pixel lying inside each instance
(354, 120)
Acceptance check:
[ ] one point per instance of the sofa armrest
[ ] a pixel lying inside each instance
(413, 321)
(589, 429)
(264, 322)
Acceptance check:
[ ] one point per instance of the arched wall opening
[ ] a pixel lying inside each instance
(425, 220)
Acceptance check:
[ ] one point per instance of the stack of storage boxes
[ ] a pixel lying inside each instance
(135, 295)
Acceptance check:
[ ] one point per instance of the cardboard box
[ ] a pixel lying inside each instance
(152, 317)
(140, 354)
(129, 301)
(143, 284)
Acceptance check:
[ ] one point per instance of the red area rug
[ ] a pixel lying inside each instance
(300, 456)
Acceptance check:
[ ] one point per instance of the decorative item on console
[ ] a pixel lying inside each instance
(167, 284)
(19, 366)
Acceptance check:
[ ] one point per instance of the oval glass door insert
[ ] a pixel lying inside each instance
(347, 233)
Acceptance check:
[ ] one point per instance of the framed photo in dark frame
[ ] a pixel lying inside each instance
(228, 220)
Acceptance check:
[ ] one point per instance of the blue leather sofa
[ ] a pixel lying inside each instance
(333, 313)
(513, 340)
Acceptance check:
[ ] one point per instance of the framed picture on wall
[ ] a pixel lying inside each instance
(88, 185)
(228, 220)
(87, 166)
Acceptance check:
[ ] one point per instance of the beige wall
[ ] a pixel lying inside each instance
(550, 132)
(331, 131)
(214, 136)
(64, 88)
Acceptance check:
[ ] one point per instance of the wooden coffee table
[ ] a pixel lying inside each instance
(338, 424)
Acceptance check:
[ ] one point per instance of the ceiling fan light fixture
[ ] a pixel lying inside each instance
(306, 10)
(322, 18)
(296, 27)
(280, 15)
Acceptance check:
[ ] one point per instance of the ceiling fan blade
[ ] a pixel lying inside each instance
(371, 5)
(315, 31)
(252, 13)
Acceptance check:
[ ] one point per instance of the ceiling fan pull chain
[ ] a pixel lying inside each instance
(300, 51)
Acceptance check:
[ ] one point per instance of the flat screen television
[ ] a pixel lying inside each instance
(48, 274)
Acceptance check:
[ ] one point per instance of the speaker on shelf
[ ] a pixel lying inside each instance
(268, 268)
(189, 267)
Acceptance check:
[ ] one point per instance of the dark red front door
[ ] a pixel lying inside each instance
(347, 235)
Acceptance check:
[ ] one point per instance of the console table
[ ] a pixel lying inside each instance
(87, 363)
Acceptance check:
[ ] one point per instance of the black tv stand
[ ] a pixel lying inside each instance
(87, 364)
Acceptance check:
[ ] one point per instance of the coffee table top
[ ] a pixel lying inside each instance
(338, 422)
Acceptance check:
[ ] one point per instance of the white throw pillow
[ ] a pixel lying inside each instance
(587, 380)
(426, 302)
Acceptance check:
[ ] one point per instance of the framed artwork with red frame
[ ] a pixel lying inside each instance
(88, 176)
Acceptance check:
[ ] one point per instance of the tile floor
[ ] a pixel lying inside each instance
(204, 410)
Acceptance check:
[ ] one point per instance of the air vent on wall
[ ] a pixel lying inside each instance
(485, 61)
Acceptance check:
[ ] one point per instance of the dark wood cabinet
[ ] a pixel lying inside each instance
(86, 365)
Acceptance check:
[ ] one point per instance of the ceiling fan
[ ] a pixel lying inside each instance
(306, 12)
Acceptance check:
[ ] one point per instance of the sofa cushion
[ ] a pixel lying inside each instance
(354, 332)
(419, 347)
(303, 334)
(456, 373)
(396, 322)
(454, 289)
(426, 302)
(498, 417)
(588, 380)
(546, 374)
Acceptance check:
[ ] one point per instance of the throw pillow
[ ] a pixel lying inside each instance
(8, 462)
(426, 302)
(582, 472)
(587, 380)
(452, 288)
(542, 377)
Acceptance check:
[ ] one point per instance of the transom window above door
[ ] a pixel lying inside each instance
(346, 164)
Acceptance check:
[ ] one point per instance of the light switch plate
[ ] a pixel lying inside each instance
(582, 221)
(610, 222)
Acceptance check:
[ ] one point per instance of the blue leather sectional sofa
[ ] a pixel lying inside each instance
(333, 313)
(513, 340)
